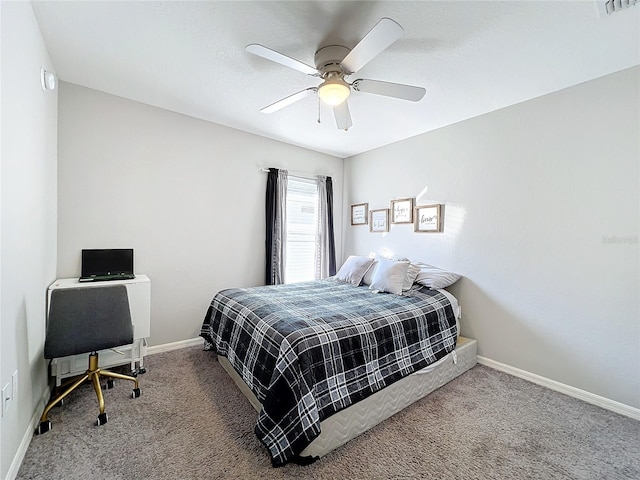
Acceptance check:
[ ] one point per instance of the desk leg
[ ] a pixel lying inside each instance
(58, 374)
(133, 357)
(143, 350)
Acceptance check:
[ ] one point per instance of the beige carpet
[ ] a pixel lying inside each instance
(193, 423)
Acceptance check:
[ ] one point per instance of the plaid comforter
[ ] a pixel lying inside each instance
(308, 350)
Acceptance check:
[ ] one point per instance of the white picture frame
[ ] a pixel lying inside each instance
(359, 214)
(402, 210)
(428, 219)
(379, 220)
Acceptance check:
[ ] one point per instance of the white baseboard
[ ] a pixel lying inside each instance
(35, 419)
(588, 397)
(28, 435)
(167, 347)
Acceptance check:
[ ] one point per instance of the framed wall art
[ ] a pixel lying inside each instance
(359, 215)
(428, 218)
(379, 221)
(402, 210)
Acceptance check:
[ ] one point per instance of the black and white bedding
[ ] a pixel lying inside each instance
(308, 350)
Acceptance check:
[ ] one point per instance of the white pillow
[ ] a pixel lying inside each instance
(434, 277)
(354, 269)
(389, 276)
(412, 274)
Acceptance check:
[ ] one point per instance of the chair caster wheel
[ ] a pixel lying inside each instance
(102, 419)
(43, 427)
(135, 393)
(142, 370)
(134, 373)
(110, 383)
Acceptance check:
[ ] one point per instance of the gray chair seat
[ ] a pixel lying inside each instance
(89, 319)
(86, 320)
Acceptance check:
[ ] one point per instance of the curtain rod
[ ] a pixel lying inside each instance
(294, 174)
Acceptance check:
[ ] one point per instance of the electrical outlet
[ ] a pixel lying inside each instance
(5, 398)
(14, 386)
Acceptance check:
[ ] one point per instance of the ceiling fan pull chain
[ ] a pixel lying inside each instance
(319, 101)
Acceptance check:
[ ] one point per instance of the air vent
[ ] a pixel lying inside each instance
(613, 6)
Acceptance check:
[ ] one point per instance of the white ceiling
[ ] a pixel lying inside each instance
(472, 57)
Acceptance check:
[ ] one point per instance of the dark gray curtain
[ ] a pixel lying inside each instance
(275, 238)
(331, 240)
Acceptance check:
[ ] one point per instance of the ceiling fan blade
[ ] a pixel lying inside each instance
(285, 102)
(343, 116)
(383, 34)
(280, 58)
(388, 89)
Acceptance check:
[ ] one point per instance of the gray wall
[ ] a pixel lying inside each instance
(28, 221)
(186, 194)
(541, 218)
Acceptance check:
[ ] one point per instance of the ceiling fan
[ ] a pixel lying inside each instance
(333, 63)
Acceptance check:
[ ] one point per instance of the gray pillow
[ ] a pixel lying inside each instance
(369, 275)
(434, 277)
(354, 269)
(412, 274)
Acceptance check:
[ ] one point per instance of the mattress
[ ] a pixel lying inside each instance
(360, 417)
(309, 350)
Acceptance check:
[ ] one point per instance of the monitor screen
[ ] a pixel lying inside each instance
(112, 261)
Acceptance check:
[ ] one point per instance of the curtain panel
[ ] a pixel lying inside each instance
(325, 256)
(276, 226)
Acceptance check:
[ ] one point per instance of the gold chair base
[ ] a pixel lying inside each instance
(93, 374)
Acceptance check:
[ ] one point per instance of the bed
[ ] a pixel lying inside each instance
(324, 361)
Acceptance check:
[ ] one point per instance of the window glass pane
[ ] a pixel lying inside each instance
(302, 200)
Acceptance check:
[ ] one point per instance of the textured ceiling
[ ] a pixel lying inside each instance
(472, 57)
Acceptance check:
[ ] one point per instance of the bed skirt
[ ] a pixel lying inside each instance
(347, 424)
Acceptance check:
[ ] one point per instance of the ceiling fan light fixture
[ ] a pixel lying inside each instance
(334, 91)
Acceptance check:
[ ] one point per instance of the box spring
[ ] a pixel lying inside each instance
(341, 427)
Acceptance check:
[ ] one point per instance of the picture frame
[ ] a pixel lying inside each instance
(359, 214)
(428, 218)
(402, 210)
(379, 220)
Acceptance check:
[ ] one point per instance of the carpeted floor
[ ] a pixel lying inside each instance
(193, 423)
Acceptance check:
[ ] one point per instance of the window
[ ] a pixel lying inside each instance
(302, 201)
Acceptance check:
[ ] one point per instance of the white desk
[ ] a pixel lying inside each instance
(139, 293)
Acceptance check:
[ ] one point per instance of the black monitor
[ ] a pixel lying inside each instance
(112, 261)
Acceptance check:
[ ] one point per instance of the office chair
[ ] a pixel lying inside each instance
(85, 320)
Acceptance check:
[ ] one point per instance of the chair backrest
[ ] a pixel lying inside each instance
(87, 319)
